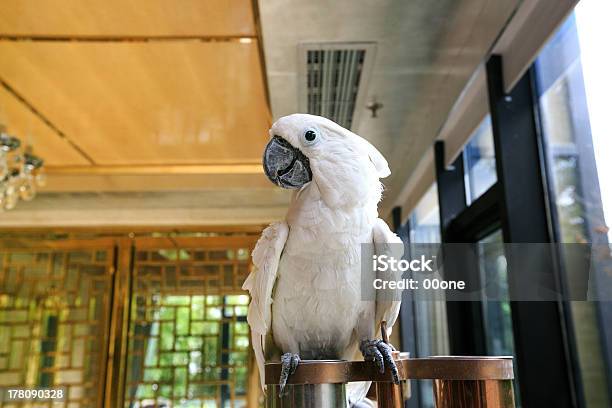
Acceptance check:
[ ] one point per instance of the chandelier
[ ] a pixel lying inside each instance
(20, 172)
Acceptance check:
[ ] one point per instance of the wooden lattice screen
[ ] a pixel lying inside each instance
(144, 322)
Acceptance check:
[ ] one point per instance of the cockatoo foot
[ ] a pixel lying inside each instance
(289, 363)
(380, 352)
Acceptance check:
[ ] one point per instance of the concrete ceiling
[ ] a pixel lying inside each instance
(426, 52)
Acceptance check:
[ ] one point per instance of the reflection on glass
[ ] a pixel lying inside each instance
(184, 355)
(497, 315)
(572, 78)
(479, 154)
(430, 313)
(188, 348)
(425, 219)
(54, 311)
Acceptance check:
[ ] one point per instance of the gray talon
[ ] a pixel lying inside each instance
(380, 352)
(289, 365)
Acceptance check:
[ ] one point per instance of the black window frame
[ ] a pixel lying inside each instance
(518, 204)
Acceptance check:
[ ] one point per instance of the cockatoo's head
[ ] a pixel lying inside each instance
(311, 149)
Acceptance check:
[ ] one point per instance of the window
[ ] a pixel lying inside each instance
(425, 219)
(496, 313)
(479, 154)
(573, 78)
(189, 341)
(429, 313)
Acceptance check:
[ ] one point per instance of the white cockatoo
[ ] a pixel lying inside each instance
(306, 283)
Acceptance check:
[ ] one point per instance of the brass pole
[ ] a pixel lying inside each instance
(460, 381)
(307, 396)
(470, 393)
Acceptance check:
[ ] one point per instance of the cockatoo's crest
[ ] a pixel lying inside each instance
(377, 159)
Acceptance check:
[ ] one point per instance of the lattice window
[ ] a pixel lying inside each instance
(189, 340)
(54, 316)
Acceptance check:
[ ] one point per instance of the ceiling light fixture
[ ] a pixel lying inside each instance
(21, 172)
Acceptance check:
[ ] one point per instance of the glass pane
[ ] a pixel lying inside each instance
(573, 76)
(429, 313)
(54, 311)
(189, 341)
(425, 219)
(479, 154)
(497, 316)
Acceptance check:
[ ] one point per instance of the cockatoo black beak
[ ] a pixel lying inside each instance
(285, 165)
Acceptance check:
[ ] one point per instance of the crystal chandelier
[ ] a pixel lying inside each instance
(20, 172)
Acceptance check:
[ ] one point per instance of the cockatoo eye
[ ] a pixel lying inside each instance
(310, 137)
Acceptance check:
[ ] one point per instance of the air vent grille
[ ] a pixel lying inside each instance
(334, 81)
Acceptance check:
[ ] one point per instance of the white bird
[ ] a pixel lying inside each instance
(307, 299)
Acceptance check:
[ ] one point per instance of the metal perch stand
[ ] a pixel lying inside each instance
(459, 382)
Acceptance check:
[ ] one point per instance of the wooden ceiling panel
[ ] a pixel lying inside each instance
(46, 143)
(177, 102)
(127, 18)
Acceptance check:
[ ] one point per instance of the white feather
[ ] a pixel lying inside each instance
(386, 243)
(260, 283)
(311, 263)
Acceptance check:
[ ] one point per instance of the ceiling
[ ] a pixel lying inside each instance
(426, 51)
(122, 18)
(143, 99)
(99, 88)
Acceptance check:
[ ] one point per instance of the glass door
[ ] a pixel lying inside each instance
(189, 342)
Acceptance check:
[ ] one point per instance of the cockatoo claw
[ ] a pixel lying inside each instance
(380, 352)
(289, 363)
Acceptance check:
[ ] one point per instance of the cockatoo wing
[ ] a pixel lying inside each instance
(387, 243)
(260, 284)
